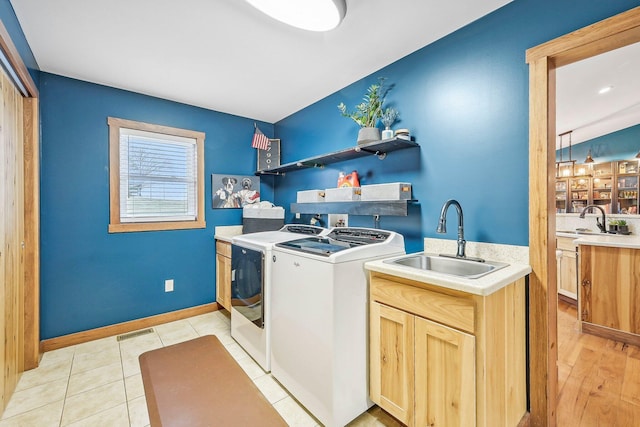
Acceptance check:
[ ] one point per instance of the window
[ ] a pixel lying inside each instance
(156, 177)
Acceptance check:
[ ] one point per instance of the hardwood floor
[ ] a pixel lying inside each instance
(598, 379)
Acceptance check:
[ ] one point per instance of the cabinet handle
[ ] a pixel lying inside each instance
(586, 300)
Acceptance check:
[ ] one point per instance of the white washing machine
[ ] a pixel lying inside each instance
(319, 319)
(251, 284)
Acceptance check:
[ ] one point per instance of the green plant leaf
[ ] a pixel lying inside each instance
(367, 113)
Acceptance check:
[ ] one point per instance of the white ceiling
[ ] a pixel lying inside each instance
(226, 56)
(587, 114)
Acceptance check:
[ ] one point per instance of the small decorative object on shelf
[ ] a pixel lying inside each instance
(368, 112)
(389, 117)
(269, 158)
(403, 134)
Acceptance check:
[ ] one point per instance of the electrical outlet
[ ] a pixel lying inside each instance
(297, 215)
(168, 285)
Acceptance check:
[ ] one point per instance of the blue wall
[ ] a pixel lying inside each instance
(91, 278)
(465, 100)
(620, 145)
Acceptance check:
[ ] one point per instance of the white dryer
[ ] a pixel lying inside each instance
(251, 287)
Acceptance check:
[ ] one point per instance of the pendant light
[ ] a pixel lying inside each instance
(311, 15)
(589, 159)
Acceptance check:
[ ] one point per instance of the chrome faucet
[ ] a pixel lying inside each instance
(442, 228)
(602, 226)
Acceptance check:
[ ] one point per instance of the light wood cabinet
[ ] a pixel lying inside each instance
(445, 375)
(440, 357)
(392, 361)
(223, 274)
(567, 268)
(609, 293)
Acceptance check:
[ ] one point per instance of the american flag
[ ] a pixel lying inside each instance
(260, 141)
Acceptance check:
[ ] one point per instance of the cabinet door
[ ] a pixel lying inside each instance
(627, 194)
(445, 377)
(609, 294)
(223, 274)
(391, 361)
(561, 196)
(568, 274)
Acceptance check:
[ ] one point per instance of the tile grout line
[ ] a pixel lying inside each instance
(66, 391)
(124, 382)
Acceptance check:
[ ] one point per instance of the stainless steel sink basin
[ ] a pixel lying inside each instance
(453, 266)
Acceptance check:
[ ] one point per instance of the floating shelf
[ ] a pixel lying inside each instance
(378, 148)
(383, 207)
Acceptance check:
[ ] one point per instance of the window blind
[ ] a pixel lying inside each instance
(158, 176)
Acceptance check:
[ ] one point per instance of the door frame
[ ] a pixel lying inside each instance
(31, 244)
(612, 33)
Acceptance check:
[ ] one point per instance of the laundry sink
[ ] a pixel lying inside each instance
(448, 265)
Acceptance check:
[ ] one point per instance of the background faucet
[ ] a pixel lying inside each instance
(602, 226)
(442, 225)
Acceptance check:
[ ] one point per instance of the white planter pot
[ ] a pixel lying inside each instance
(367, 135)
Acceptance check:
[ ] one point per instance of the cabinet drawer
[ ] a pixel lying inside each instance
(223, 248)
(450, 310)
(565, 243)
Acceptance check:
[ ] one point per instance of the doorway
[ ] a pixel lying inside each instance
(615, 32)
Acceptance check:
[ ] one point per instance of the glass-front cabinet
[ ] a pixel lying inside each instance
(579, 189)
(603, 169)
(602, 192)
(612, 186)
(561, 196)
(627, 194)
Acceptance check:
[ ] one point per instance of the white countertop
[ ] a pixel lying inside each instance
(610, 240)
(484, 285)
(226, 232)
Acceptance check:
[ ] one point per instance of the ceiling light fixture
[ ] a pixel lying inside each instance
(605, 90)
(311, 15)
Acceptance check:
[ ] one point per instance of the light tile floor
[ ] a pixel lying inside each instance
(98, 383)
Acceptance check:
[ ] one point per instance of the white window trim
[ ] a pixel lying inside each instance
(116, 225)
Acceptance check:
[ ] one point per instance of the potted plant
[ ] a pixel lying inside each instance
(623, 228)
(613, 225)
(368, 112)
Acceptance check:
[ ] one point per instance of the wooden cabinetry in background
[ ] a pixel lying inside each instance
(611, 185)
(223, 274)
(449, 358)
(609, 292)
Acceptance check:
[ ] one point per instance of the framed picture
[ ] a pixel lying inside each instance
(234, 191)
(269, 158)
